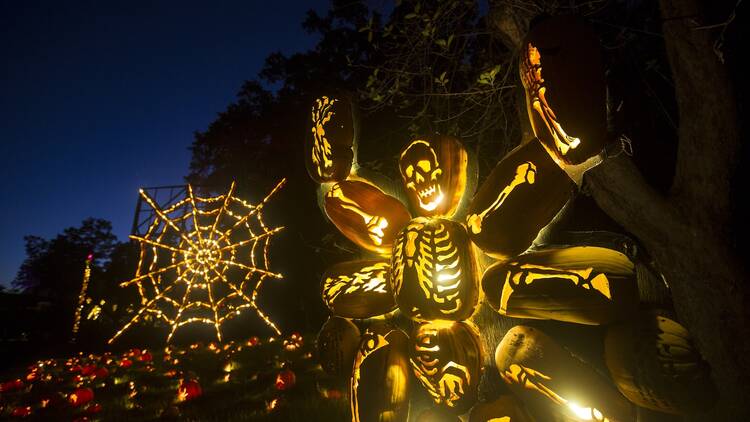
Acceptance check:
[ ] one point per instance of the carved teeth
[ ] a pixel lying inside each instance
(427, 192)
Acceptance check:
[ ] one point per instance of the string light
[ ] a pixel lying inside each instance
(206, 247)
(82, 296)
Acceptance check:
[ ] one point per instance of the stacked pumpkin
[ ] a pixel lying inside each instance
(427, 259)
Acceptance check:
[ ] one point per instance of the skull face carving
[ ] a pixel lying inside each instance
(422, 174)
(434, 173)
(433, 271)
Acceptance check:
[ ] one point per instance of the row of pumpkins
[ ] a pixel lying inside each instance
(429, 267)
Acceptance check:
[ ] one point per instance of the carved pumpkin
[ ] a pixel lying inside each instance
(338, 341)
(544, 375)
(506, 408)
(581, 284)
(380, 377)
(520, 197)
(655, 365)
(433, 271)
(562, 70)
(358, 289)
(446, 357)
(522, 194)
(365, 215)
(434, 172)
(329, 147)
(436, 414)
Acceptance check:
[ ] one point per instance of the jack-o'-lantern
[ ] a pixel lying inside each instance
(563, 75)
(506, 408)
(433, 271)
(434, 172)
(546, 376)
(446, 357)
(337, 345)
(522, 194)
(581, 284)
(655, 365)
(358, 289)
(329, 147)
(437, 414)
(380, 376)
(365, 215)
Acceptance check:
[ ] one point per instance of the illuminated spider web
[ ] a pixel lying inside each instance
(199, 261)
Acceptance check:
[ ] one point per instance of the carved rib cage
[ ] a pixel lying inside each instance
(429, 269)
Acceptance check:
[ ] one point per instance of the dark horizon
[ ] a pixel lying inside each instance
(100, 100)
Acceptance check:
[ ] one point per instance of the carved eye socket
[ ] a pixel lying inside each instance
(424, 165)
(409, 171)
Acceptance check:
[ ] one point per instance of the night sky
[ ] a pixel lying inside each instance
(98, 99)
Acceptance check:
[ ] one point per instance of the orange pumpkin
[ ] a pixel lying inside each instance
(337, 345)
(506, 408)
(380, 376)
(433, 271)
(358, 289)
(365, 215)
(329, 146)
(446, 357)
(581, 284)
(655, 365)
(517, 200)
(437, 414)
(546, 376)
(434, 170)
(563, 75)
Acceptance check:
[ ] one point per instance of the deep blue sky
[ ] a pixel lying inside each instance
(98, 99)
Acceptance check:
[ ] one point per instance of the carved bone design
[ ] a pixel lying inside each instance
(375, 224)
(531, 75)
(525, 173)
(321, 151)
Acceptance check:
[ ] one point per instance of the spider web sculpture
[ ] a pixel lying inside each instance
(202, 260)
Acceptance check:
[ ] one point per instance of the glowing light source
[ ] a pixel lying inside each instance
(198, 262)
(82, 296)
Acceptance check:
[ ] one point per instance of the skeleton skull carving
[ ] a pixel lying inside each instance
(434, 172)
(422, 174)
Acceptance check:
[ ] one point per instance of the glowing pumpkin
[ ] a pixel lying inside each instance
(433, 271)
(434, 172)
(582, 284)
(506, 408)
(337, 345)
(329, 147)
(365, 215)
(358, 289)
(446, 358)
(81, 396)
(522, 194)
(563, 75)
(544, 375)
(436, 414)
(655, 365)
(380, 376)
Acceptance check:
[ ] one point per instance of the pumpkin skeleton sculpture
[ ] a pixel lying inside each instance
(428, 267)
